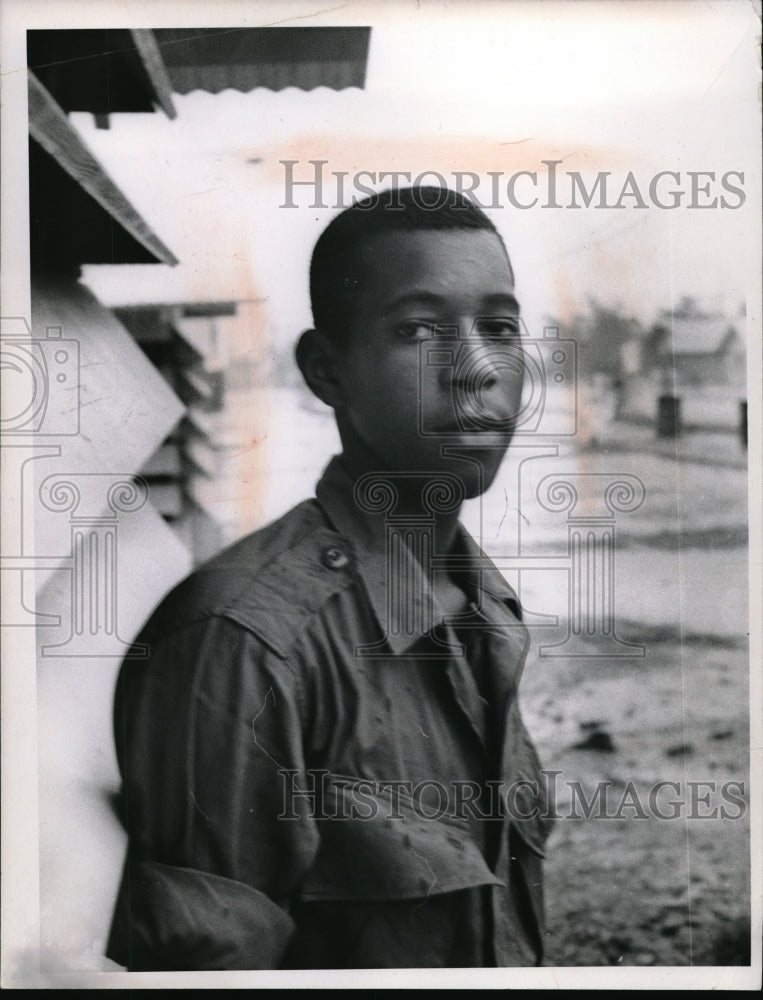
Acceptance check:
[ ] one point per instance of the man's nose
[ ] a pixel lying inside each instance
(480, 364)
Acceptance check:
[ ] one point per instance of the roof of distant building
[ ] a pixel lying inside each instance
(695, 332)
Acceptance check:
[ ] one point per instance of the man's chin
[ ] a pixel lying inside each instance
(476, 470)
(476, 489)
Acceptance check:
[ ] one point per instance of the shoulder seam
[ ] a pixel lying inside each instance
(241, 626)
(278, 649)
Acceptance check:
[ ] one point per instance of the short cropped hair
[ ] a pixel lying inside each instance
(335, 276)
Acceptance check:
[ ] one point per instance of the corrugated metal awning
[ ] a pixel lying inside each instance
(113, 70)
(215, 59)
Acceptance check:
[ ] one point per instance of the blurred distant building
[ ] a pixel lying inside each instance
(692, 348)
(694, 355)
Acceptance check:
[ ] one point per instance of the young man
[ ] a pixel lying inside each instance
(323, 758)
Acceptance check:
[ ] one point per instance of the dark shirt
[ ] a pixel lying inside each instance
(305, 769)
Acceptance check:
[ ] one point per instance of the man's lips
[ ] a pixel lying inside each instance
(486, 426)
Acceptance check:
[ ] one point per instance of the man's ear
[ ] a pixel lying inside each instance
(316, 357)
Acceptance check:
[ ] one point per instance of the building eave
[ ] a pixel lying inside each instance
(51, 129)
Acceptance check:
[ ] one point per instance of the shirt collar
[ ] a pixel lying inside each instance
(405, 605)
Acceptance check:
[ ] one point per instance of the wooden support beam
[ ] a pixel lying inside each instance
(52, 130)
(151, 57)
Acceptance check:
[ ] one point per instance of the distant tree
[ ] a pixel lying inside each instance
(654, 345)
(600, 333)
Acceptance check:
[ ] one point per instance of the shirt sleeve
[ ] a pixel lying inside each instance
(209, 737)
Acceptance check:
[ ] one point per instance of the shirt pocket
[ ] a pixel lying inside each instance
(379, 846)
(390, 933)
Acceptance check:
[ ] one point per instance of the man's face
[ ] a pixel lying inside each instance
(432, 361)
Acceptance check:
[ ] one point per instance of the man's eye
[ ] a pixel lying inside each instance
(500, 329)
(417, 329)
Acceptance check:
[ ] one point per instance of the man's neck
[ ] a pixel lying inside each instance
(359, 460)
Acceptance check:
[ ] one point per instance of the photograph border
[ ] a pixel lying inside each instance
(18, 706)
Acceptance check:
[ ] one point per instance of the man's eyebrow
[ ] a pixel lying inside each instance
(502, 299)
(425, 298)
(417, 298)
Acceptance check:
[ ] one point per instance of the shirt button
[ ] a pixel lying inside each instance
(335, 558)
